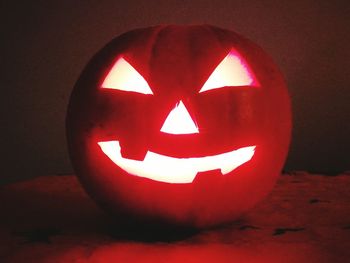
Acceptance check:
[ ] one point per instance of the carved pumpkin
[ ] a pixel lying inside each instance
(188, 125)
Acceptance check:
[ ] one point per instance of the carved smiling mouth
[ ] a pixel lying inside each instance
(168, 169)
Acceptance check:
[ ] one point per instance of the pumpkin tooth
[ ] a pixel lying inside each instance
(133, 151)
(207, 176)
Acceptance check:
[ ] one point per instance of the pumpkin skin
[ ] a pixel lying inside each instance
(176, 61)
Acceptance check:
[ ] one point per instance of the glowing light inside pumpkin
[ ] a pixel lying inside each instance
(232, 71)
(167, 169)
(179, 121)
(124, 77)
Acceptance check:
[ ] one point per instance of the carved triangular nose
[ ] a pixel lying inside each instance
(179, 121)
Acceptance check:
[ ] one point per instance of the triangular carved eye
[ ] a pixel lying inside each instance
(232, 71)
(124, 77)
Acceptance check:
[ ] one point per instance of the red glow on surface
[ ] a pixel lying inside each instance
(205, 251)
(179, 121)
(167, 169)
(232, 71)
(124, 77)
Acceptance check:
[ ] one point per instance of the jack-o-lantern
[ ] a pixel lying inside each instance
(188, 125)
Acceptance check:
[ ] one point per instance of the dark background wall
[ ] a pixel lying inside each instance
(45, 45)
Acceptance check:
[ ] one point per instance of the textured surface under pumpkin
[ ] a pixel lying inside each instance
(174, 64)
(306, 218)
